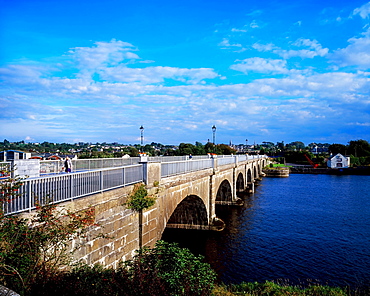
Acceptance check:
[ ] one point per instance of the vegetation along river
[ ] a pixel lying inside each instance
(304, 227)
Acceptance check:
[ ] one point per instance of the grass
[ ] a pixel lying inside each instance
(272, 288)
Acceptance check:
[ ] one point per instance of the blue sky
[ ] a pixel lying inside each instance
(95, 71)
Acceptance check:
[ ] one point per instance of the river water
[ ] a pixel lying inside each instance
(297, 229)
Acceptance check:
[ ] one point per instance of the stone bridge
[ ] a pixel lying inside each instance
(184, 200)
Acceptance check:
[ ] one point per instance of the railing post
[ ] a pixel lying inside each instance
(145, 172)
(101, 180)
(28, 196)
(151, 173)
(123, 176)
(214, 163)
(71, 191)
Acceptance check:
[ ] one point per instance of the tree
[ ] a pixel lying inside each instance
(297, 145)
(186, 149)
(209, 148)
(138, 201)
(225, 149)
(280, 146)
(338, 148)
(199, 149)
(359, 148)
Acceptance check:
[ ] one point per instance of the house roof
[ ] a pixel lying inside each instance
(338, 154)
(13, 151)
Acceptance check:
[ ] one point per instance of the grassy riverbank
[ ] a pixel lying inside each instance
(269, 288)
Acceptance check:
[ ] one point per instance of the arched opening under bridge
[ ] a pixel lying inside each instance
(224, 192)
(190, 211)
(240, 187)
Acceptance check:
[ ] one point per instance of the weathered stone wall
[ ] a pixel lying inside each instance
(118, 224)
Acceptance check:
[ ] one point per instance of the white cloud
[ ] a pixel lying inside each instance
(112, 53)
(357, 53)
(312, 49)
(225, 43)
(261, 65)
(264, 47)
(254, 24)
(363, 11)
(122, 73)
(238, 30)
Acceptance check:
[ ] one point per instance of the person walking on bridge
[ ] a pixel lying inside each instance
(68, 165)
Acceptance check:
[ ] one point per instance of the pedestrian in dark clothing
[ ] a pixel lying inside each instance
(68, 165)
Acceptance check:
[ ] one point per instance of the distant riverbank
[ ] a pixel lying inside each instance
(303, 169)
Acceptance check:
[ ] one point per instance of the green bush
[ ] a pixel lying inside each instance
(139, 199)
(177, 269)
(165, 270)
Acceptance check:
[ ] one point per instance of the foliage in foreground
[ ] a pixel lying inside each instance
(33, 250)
(165, 270)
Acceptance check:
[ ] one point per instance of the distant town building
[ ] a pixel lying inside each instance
(9, 155)
(52, 156)
(319, 150)
(338, 161)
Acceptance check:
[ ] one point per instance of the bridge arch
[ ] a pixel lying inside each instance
(190, 211)
(249, 177)
(224, 192)
(255, 172)
(240, 183)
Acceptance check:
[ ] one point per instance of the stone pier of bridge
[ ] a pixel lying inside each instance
(182, 201)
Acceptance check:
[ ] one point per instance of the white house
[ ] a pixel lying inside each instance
(9, 155)
(338, 161)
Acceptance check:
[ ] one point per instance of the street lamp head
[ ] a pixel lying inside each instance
(214, 128)
(141, 127)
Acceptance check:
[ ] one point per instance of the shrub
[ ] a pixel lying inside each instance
(32, 250)
(139, 199)
(165, 270)
(173, 268)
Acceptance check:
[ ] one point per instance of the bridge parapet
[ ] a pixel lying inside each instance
(64, 187)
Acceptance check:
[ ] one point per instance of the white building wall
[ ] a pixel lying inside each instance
(339, 161)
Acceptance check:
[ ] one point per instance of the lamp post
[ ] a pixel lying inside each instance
(141, 138)
(214, 134)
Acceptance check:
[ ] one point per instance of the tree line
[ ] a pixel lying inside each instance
(359, 150)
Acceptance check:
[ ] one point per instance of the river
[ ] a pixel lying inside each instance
(304, 228)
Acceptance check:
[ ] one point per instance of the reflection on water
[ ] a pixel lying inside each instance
(303, 227)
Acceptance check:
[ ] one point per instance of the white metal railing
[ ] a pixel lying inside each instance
(180, 167)
(190, 165)
(226, 160)
(64, 187)
(56, 166)
(176, 158)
